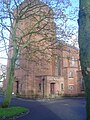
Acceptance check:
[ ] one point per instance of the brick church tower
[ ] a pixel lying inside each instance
(43, 68)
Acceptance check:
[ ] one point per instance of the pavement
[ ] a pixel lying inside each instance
(61, 109)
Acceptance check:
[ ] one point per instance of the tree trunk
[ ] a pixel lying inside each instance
(8, 96)
(84, 44)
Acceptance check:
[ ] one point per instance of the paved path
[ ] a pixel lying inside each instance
(63, 109)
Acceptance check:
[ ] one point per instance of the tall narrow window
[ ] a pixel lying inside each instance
(73, 61)
(40, 87)
(62, 86)
(58, 64)
(71, 74)
(17, 63)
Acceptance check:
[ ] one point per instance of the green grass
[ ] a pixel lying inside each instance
(12, 111)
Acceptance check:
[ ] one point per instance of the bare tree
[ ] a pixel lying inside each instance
(32, 30)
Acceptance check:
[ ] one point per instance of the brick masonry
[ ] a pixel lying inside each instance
(52, 69)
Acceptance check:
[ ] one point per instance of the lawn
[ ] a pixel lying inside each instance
(12, 111)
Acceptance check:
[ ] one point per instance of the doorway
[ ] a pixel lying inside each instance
(52, 88)
(17, 87)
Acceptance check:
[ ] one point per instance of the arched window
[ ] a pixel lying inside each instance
(71, 74)
(73, 61)
(62, 87)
